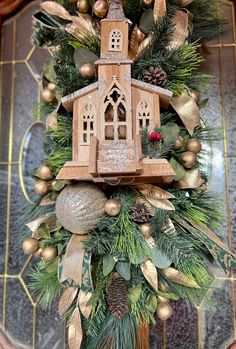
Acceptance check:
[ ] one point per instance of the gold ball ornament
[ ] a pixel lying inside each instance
(41, 187)
(163, 299)
(195, 96)
(30, 245)
(179, 143)
(146, 229)
(147, 3)
(49, 253)
(140, 35)
(51, 87)
(45, 173)
(79, 207)
(188, 159)
(112, 207)
(164, 311)
(87, 71)
(51, 121)
(83, 6)
(194, 145)
(100, 8)
(38, 253)
(48, 96)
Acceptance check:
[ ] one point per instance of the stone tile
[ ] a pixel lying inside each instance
(7, 36)
(37, 60)
(156, 335)
(232, 192)
(3, 215)
(1, 299)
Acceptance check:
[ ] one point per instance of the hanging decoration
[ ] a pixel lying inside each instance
(122, 194)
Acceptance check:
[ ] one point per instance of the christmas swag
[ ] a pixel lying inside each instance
(124, 220)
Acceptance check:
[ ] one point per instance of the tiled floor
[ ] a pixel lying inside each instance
(209, 326)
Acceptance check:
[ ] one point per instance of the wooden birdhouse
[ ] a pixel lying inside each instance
(109, 114)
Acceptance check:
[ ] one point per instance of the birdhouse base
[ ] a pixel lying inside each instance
(153, 171)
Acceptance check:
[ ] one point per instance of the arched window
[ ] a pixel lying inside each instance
(116, 40)
(88, 119)
(115, 115)
(143, 115)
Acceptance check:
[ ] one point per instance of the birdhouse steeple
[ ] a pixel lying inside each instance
(115, 32)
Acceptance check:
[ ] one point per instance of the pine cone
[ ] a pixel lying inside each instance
(155, 76)
(117, 298)
(139, 214)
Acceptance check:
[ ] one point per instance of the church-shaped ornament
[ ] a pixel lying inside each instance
(109, 114)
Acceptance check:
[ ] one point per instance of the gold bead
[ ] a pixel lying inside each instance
(146, 229)
(49, 253)
(147, 3)
(83, 6)
(100, 8)
(188, 159)
(194, 145)
(30, 245)
(51, 86)
(87, 70)
(179, 142)
(140, 35)
(38, 253)
(47, 96)
(112, 207)
(51, 121)
(195, 96)
(164, 311)
(41, 187)
(45, 173)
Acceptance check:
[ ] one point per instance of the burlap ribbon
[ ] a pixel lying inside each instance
(192, 180)
(187, 110)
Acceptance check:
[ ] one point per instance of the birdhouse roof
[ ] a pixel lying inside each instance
(165, 95)
(68, 100)
(116, 12)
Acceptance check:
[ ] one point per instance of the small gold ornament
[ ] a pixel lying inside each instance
(38, 253)
(140, 35)
(194, 145)
(49, 253)
(112, 207)
(164, 311)
(87, 70)
(83, 6)
(147, 3)
(179, 143)
(45, 173)
(195, 96)
(100, 8)
(146, 230)
(51, 87)
(47, 96)
(30, 245)
(41, 187)
(188, 159)
(51, 121)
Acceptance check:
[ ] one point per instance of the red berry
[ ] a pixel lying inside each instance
(158, 136)
(154, 137)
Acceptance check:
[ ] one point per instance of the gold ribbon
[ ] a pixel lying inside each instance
(159, 9)
(181, 20)
(72, 261)
(192, 180)
(187, 110)
(50, 219)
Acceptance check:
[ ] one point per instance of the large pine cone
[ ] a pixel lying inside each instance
(139, 214)
(117, 298)
(155, 76)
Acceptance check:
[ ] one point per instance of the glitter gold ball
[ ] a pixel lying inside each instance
(194, 145)
(83, 6)
(47, 96)
(49, 253)
(87, 70)
(100, 8)
(51, 86)
(45, 173)
(188, 159)
(112, 207)
(30, 245)
(41, 187)
(146, 229)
